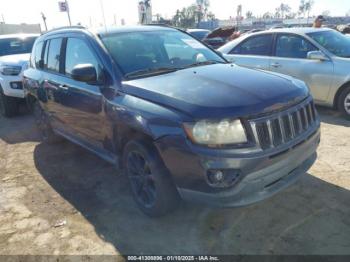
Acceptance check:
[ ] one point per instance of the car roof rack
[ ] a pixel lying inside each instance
(65, 27)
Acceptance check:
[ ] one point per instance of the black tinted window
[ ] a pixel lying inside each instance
(293, 46)
(256, 45)
(78, 52)
(14, 46)
(53, 51)
(36, 56)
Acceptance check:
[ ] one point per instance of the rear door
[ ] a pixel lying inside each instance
(253, 52)
(290, 58)
(52, 79)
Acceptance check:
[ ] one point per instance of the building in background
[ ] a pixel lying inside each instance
(19, 28)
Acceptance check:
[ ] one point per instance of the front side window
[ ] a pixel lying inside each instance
(78, 52)
(293, 46)
(159, 51)
(52, 55)
(335, 42)
(256, 45)
(14, 46)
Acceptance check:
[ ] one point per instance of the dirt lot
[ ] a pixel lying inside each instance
(41, 186)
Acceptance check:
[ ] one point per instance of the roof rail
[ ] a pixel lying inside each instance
(65, 27)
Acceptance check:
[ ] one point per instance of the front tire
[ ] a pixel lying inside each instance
(8, 105)
(344, 102)
(151, 183)
(43, 123)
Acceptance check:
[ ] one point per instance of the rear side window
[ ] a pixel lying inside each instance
(36, 57)
(256, 45)
(293, 46)
(78, 52)
(52, 55)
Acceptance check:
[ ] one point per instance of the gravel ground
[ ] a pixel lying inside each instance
(60, 199)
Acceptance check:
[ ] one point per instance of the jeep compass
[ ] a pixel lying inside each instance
(173, 114)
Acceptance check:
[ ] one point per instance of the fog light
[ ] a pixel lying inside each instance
(16, 85)
(223, 178)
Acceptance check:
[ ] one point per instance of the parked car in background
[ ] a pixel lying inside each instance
(180, 124)
(14, 57)
(199, 34)
(220, 36)
(320, 57)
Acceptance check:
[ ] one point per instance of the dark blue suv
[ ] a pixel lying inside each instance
(173, 114)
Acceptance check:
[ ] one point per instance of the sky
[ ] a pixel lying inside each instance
(88, 12)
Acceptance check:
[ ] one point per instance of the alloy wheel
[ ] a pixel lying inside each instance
(347, 104)
(141, 179)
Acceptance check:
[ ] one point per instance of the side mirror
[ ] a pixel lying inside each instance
(317, 55)
(84, 73)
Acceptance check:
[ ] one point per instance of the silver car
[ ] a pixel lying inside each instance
(320, 57)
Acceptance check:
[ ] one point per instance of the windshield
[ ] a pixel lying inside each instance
(333, 41)
(139, 53)
(14, 46)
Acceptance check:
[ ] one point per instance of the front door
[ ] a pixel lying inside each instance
(291, 59)
(82, 102)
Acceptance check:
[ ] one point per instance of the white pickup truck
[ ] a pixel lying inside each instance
(15, 52)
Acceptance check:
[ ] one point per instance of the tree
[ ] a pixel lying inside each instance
(302, 8)
(249, 14)
(308, 7)
(267, 15)
(285, 9)
(186, 18)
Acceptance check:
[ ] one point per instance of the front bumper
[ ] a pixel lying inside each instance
(7, 81)
(263, 175)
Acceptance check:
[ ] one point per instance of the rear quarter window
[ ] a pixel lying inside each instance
(36, 56)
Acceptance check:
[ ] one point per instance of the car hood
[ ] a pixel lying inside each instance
(20, 59)
(220, 90)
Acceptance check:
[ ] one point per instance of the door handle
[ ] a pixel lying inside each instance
(276, 65)
(64, 87)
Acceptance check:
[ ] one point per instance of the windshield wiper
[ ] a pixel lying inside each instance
(151, 71)
(208, 62)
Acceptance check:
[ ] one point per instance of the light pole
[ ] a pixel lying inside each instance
(103, 14)
(68, 12)
(44, 19)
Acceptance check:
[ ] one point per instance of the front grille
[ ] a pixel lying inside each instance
(280, 128)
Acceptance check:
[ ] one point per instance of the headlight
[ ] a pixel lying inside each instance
(10, 70)
(216, 133)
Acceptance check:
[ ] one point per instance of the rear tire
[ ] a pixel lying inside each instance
(43, 124)
(8, 105)
(344, 102)
(150, 181)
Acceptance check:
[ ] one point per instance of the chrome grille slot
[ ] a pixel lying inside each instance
(276, 132)
(296, 123)
(282, 127)
(303, 119)
(263, 134)
(287, 127)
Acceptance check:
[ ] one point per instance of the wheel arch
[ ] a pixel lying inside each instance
(338, 93)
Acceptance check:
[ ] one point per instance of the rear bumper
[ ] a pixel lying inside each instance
(262, 175)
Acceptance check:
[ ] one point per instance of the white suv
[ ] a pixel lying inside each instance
(14, 57)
